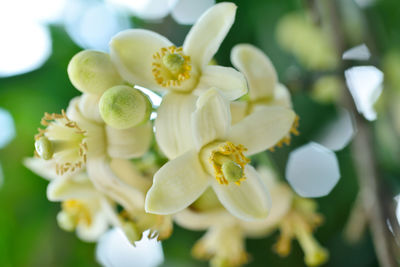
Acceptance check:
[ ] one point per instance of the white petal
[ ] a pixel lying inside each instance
(129, 143)
(89, 106)
(281, 96)
(205, 37)
(106, 181)
(249, 200)
(173, 124)
(193, 220)
(41, 167)
(132, 52)
(238, 111)
(281, 201)
(177, 184)
(92, 232)
(262, 129)
(229, 81)
(127, 172)
(212, 118)
(70, 187)
(258, 69)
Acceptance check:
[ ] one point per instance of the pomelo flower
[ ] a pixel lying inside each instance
(217, 158)
(150, 60)
(264, 88)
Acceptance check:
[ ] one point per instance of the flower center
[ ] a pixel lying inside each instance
(63, 141)
(228, 163)
(75, 212)
(171, 66)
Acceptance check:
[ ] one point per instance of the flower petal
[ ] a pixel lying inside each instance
(228, 81)
(193, 220)
(258, 69)
(238, 111)
(212, 118)
(44, 168)
(129, 143)
(262, 129)
(173, 132)
(70, 187)
(96, 229)
(177, 184)
(281, 201)
(89, 106)
(282, 96)
(132, 52)
(205, 37)
(247, 201)
(106, 181)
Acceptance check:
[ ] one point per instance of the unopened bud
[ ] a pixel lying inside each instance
(122, 107)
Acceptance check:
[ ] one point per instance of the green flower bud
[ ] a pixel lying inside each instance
(93, 72)
(123, 107)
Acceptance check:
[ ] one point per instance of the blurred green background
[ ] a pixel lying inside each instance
(29, 235)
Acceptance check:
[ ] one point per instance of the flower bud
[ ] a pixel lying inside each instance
(93, 72)
(123, 107)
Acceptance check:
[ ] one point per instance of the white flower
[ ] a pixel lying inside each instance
(150, 60)
(217, 158)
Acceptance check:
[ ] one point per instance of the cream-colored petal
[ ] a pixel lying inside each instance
(127, 172)
(89, 106)
(282, 96)
(281, 202)
(44, 168)
(177, 184)
(258, 69)
(92, 232)
(238, 111)
(106, 181)
(129, 143)
(132, 53)
(205, 37)
(262, 129)
(196, 221)
(71, 187)
(247, 201)
(173, 124)
(228, 81)
(211, 119)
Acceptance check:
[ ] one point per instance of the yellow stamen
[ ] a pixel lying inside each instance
(171, 66)
(286, 140)
(228, 162)
(62, 140)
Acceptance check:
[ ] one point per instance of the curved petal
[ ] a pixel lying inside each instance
(258, 69)
(262, 129)
(282, 96)
(106, 181)
(173, 132)
(228, 81)
(238, 111)
(70, 187)
(177, 184)
(212, 118)
(129, 143)
(193, 220)
(132, 52)
(41, 167)
(92, 232)
(205, 37)
(127, 172)
(89, 106)
(247, 201)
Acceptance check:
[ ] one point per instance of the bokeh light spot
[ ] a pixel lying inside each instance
(7, 128)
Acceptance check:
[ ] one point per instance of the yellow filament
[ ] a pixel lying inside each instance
(234, 153)
(76, 141)
(167, 76)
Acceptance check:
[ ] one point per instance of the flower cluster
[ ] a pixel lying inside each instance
(106, 171)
